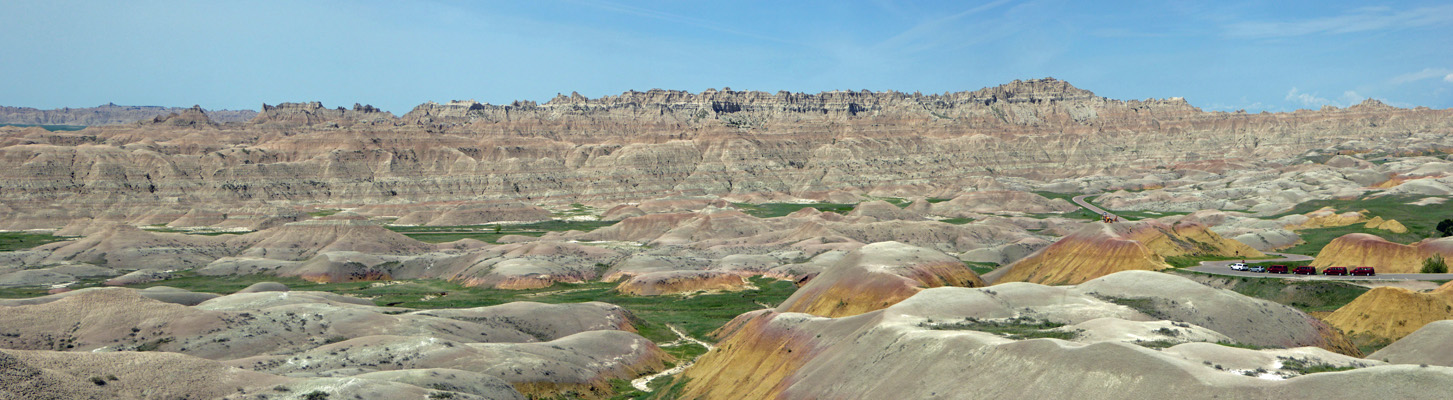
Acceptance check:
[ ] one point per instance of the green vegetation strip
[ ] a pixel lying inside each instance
(1017, 328)
(12, 241)
(1308, 296)
(771, 210)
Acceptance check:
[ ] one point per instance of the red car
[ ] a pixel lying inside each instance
(1335, 271)
(1364, 271)
(1304, 270)
(1276, 269)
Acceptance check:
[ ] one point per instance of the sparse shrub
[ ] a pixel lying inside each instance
(111, 377)
(1435, 265)
(1168, 332)
(441, 395)
(281, 388)
(98, 381)
(335, 339)
(315, 395)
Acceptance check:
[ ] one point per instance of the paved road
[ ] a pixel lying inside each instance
(1086, 204)
(1224, 267)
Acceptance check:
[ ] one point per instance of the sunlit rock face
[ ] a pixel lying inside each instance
(639, 145)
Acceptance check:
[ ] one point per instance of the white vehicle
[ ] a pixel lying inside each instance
(1238, 266)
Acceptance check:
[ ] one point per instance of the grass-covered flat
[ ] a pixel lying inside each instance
(770, 210)
(1308, 296)
(12, 241)
(1421, 221)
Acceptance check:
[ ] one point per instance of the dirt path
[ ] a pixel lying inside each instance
(643, 383)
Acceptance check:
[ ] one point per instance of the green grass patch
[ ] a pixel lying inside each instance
(1156, 344)
(771, 210)
(1018, 328)
(1315, 239)
(1308, 296)
(1421, 221)
(12, 241)
(1243, 345)
(981, 267)
(956, 221)
(324, 212)
(22, 292)
(1308, 366)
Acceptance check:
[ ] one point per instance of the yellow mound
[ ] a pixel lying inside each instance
(1392, 312)
(753, 363)
(1390, 225)
(674, 282)
(1103, 249)
(877, 276)
(1364, 250)
(1327, 217)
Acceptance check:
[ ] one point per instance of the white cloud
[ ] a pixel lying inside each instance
(1358, 20)
(1306, 99)
(1350, 97)
(1426, 73)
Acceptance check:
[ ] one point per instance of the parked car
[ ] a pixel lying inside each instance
(1257, 268)
(1364, 271)
(1277, 269)
(1238, 266)
(1335, 271)
(1304, 270)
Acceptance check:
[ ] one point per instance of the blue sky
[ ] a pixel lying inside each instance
(1223, 55)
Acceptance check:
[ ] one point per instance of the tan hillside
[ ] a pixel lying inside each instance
(877, 276)
(1364, 250)
(1101, 249)
(1390, 313)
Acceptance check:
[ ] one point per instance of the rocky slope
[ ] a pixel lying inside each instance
(638, 145)
(935, 344)
(263, 342)
(106, 114)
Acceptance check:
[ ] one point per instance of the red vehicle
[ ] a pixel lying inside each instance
(1364, 271)
(1304, 270)
(1335, 271)
(1276, 269)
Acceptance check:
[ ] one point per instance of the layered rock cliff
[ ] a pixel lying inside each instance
(652, 144)
(106, 114)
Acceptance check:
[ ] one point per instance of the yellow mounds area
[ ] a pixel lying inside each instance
(1390, 225)
(675, 282)
(876, 276)
(1103, 249)
(755, 362)
(1364, 250)
(1390, 313)
(1328, 217)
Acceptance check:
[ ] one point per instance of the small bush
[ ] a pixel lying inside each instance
(441, 395)
(98, 381)
(315, 395)
(1435, 265)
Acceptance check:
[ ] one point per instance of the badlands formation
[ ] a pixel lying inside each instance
(725, 244)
